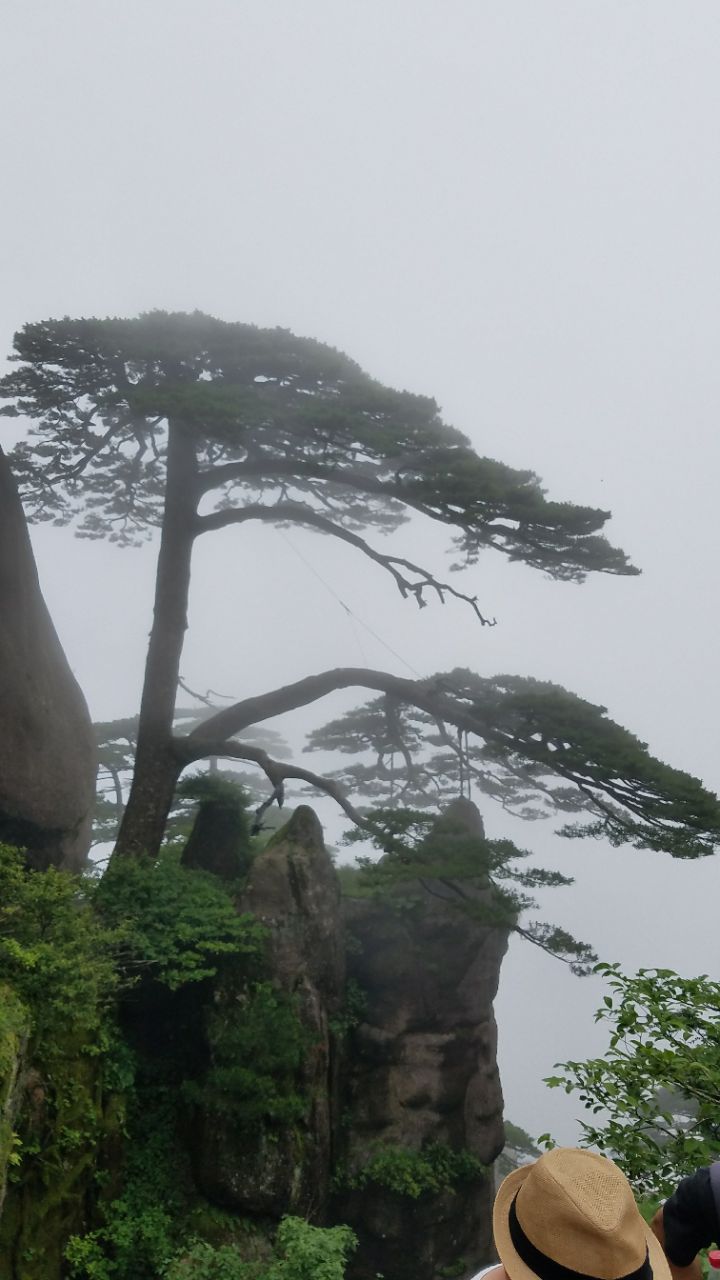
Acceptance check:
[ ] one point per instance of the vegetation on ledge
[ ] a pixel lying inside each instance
(435, 1168)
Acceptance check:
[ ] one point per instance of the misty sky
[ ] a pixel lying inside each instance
(511, 205)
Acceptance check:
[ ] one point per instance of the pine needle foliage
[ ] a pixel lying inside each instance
(268, 411)
(536, 749)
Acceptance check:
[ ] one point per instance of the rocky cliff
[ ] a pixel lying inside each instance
(271, 1169)
(342, 1070)
(417, 1074)
(422, 1068)
(47, 748)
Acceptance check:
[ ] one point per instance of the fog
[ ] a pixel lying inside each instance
(513, 207)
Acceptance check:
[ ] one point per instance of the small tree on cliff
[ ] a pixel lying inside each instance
(189, 424)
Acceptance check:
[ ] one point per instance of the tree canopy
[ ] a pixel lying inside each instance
(284, 428)
(191, 424)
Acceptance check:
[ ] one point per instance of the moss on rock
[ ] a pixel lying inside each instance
(64, 1119)
(14, 1028)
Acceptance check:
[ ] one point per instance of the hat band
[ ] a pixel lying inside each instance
(547, 1268)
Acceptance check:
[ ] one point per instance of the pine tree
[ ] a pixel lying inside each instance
(188, 424)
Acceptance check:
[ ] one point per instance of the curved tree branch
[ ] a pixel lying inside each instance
(276, 771)
(428, 695)
(271, 469)
(434, 696)
(299, 513)
(537, 942)
(642, 795)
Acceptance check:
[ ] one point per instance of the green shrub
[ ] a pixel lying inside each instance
(72, 949)
(69, 948)
(453, 1269)
(302, 1252)
(14, 1023)
(415, 1173)
(311, 1253)
(258, 1044)
(141, 1227)
(210, 1262)
(13, 1026)
(57, 960)
(172, 923)
(653, 1095)
(54, 953)
(132, 1245)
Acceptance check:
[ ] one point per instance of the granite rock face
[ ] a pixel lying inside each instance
(293, 891)
(47, 747)
(418, 1070)
(423, 1066)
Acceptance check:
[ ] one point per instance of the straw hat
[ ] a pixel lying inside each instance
(571, 1216)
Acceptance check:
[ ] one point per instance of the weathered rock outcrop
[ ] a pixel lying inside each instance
(219, 839)
(47, 748)
(267, 1133)
(423, 1065)
(293, 891)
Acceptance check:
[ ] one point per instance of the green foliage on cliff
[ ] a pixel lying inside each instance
(13, 1027)
(139, 1228)
(69, 943)
(655, 1091)
(57, 964)
(204, 1261)
(102, 1154)
(97, 1136)
(311, 1253)
(415, 1173)
(172, 923)
(257, 1045)
(159, 1228)
(61, 979)
(54, 952)
(13, 1033)
(301, 1252)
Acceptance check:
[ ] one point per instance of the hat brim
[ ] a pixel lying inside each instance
(511, 1260)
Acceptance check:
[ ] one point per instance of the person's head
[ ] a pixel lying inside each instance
(571, 1216)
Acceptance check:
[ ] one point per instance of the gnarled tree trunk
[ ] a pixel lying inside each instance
(157, 768)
